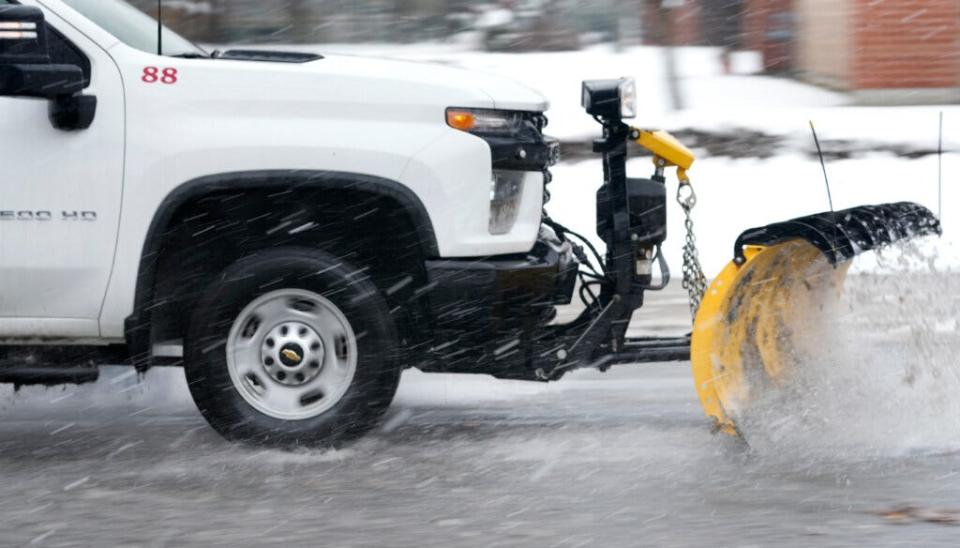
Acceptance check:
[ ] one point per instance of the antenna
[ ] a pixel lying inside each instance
(823, 164)
(159, 27)
(940, 171)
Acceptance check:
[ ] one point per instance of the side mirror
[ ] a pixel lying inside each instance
(26, 69)
(23, 37)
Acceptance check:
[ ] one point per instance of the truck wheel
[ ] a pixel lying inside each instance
(292, 347)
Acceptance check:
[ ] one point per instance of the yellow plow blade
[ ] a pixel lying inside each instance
(752, 329)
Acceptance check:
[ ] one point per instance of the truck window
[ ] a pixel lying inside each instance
(133, 27)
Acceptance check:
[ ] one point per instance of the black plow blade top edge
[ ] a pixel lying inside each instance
(842, 235)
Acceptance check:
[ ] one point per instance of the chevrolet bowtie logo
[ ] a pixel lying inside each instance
(291, 355)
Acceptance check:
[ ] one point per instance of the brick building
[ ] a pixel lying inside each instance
(692, 22)
(769, 27)
(881, 51)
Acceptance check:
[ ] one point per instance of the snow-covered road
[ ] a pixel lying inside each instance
(617, 459)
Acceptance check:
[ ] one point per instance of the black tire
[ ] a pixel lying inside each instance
(377, 372)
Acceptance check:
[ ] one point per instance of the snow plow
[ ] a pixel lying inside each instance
(750, 325)
(750, 330)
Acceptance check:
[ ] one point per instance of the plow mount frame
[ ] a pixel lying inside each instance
(597, 337)
(633, 237)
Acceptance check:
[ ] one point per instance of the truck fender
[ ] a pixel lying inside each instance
(137, 325)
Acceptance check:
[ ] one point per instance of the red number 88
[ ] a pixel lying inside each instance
(152, 75)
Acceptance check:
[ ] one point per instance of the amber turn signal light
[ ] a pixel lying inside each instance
(461, 119)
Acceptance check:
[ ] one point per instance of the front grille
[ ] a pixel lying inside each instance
(539, 120)
(526, 150)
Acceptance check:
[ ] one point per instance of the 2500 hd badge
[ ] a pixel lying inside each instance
(46, 215)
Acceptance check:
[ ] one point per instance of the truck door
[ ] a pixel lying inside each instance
(60, 195)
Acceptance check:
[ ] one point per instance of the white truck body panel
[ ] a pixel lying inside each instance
(351, 114)
(57, 257)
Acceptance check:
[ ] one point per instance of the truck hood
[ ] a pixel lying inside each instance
(336, 95)
(432, 82)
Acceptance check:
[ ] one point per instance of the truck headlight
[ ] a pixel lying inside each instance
(505, 196)
(611, 99)
(485, 121)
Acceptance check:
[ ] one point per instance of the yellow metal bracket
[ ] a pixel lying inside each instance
(667, 150)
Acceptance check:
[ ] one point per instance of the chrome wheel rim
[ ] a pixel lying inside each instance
(291, 354)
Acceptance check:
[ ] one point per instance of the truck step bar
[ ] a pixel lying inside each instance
(48, 375)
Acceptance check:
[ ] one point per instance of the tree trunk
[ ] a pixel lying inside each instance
(215, 23)
(298, 22)
(663, 37)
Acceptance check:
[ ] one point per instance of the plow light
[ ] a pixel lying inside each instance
(610, 99)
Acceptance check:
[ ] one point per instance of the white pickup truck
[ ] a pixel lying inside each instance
(293, 229)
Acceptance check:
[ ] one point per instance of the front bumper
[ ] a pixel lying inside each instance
(487, 299)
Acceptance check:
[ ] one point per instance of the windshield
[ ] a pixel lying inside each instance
(133, 27)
